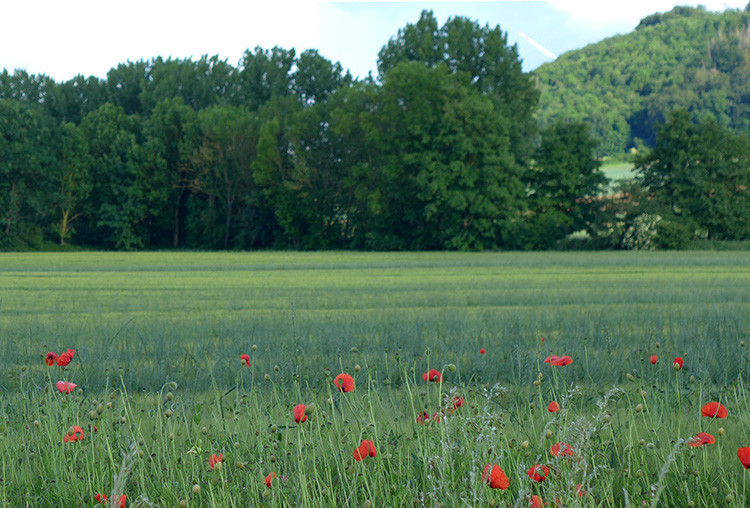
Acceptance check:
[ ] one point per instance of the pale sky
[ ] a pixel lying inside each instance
(64, 38)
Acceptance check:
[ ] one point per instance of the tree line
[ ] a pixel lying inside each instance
(441, 150)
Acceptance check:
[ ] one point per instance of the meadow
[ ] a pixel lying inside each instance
(161, 388)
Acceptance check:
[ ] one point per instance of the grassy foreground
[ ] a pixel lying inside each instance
(161, 387)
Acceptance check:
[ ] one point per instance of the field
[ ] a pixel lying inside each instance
(161, 386)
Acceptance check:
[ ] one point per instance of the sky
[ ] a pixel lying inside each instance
(89, 37)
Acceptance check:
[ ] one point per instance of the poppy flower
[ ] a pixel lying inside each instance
(423, 417)
(65, 357)
(65, 386)
(543, 339)
(123, 500)
(495, 477)
(558, 361)
(365, 449)
(102, 499)
(215, 460)
(72, 437)
(553, 407)
(536, 502)
(558, 449)
(538, 473)
(270, 478)
(678, 363)
(432, 375)
(482, 351)
(579, 490)
(744, 455)
(714, 410)
(702, 438)
(344, 382)
(50, 359)
(245, 360)
(653, 359)
(299, 413)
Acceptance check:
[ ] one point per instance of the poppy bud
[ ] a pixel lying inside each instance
(267, 377)
(525, 445)
(355, 350)
(36, 424)
(532, 405)
(742, 343)
(548, 435)
(357, 368)
(183, 503)
(274, 428)
(642, 442)
(196, 489)
(276, 368)
(310, 409)
(537, 382)
(630, 378)
(639, 408)
(173, 385)
(255, 347)
(720, 431)
(451, 367)
(168, 413)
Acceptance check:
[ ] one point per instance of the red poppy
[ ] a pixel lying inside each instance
(299, 413)
(702, 438)
(72, 437)
(270, 478)
(744, 455)
(65, 357)
(245, 360)
(543, 339)
(50, 359)
(558, 361)
(558, 449)
(123, 500)
(536, 502)
(653, 359)
(102, 499)
(495, 477)
(214, 460)
(433, 375)
(714, 410)
(344, 382)
(482, 351)
(580, 491)
(538, 473)
(365, 449)
(678, 362)
(65, 386)
(553, 407)
(423, 417)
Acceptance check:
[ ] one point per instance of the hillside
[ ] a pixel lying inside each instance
(625, 85)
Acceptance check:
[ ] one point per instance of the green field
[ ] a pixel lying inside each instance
(139, 321)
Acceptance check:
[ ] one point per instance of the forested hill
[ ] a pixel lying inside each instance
(625, 86)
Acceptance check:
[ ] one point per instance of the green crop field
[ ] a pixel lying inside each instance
(160, 386)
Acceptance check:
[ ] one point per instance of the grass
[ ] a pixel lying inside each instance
(158, 338)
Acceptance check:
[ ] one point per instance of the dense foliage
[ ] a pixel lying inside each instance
(625, 86)
(440, 151)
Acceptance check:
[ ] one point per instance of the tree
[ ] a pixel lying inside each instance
(73, 179)
(564, 180)
(701, 173)
(263, 75)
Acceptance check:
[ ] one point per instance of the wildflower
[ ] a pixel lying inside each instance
(65, 357)
(50, 359)
(216, 462)
(558, 449)
(75, 433)
(536, 502)
(65, 386)
(123, 501)
(653, 359)
(677, 364)
(245, 360)
(538, 473)
(558, 361)
(553, 407)
(495, 477)
(344, 382)
(366, 449)
(299, 413)
(102, 499)
(270, 478)
(543, 339)
(482, 351)
(714, 410)
(433, 375)
(702, 438)
(579, 490)
(744, 455)
(422, 418)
